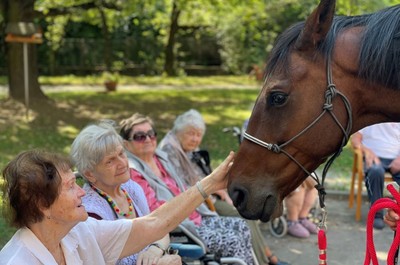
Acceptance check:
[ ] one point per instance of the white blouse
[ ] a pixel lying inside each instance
(90, 242)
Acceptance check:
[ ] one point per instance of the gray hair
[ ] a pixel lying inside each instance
(191, 118)
(92, 144)
(126, 125)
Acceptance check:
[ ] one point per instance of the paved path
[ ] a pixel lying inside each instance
(346, 239)
(133, 87)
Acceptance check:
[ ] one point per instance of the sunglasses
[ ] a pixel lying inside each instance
(141, 136)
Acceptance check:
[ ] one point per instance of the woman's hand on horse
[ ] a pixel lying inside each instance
(218, 179)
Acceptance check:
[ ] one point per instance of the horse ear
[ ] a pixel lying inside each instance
(316, 26)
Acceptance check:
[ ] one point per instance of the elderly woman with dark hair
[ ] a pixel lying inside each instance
(182, 144)
(150, 168)
(45, 203)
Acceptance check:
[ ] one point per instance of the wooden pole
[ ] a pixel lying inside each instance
(26, 78)
(24, 35)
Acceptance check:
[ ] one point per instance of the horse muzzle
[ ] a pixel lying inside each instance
(259, 204)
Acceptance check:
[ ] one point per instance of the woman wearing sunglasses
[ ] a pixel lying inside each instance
(150, 168)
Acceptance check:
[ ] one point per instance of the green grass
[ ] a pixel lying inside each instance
(220, 108)
(188, 81)
(54, 128)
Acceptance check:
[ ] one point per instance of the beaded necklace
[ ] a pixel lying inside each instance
(112, 203)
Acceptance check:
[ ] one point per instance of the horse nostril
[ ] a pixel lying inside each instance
(239, 196)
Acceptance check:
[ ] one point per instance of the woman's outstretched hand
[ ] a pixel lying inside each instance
(218, 179)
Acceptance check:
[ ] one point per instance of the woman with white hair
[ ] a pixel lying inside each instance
(182, 145)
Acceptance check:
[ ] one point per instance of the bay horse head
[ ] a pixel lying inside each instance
(321, 75)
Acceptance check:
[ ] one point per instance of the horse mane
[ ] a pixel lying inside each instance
(379, 56)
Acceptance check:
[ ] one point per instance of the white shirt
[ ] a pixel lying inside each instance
(383, 139)
(90, 242)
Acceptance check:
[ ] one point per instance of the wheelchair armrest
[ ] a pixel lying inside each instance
(188, 250)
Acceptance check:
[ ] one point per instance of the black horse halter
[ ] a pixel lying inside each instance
(330, 93)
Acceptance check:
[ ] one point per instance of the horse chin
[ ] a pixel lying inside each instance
(272, 208)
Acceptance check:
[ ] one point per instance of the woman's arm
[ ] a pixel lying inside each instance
(154, 226)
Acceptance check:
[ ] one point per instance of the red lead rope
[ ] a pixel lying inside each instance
(379, 205)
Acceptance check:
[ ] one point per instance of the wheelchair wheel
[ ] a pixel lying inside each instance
(278, 227)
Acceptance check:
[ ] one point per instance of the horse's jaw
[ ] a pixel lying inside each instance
(258, 205)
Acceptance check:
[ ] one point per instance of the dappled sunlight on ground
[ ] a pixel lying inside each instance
(13, 112)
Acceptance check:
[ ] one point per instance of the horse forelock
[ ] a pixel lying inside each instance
(379, 55)
(279, 56)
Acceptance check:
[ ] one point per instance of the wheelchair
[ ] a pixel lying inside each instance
(194, 252)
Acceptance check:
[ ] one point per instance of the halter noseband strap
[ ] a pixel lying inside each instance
(330, 93)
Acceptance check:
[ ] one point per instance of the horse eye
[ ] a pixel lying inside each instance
(277, 99)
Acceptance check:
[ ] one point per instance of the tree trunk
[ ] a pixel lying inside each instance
(169, 66)
(21, 11)
(107, 41)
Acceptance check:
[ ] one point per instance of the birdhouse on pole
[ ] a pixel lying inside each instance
(25, 33)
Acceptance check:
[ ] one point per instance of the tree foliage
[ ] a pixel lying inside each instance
(162, 32)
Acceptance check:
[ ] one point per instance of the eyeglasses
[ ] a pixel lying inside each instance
(142, 136)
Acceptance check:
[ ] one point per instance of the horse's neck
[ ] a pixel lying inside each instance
(375, 104)
(370, 103)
